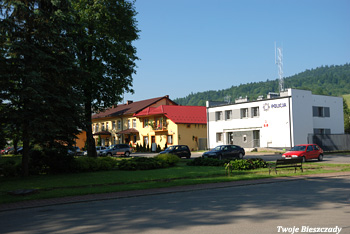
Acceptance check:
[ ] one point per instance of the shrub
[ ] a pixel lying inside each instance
(208, 162)
(170, 159)
(85, 164)
(141, 163)
(10, 168)
(246, 164)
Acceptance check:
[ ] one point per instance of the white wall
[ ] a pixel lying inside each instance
(282, 122)
(336, 120)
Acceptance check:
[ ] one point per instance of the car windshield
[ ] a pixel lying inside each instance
(111, 147)
(170, 148)
(218, 148)
(299, 148)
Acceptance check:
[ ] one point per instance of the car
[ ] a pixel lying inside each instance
(178, 150)
(118, 149)
(307, 151)
(225, 151)
(73, 150)
(98, 150)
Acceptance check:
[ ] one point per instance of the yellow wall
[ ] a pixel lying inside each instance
(189, 134)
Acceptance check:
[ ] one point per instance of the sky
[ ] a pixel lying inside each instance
(190, 46)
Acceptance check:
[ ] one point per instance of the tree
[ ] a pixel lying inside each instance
(105, 55)
(37, 80)
(346, 117)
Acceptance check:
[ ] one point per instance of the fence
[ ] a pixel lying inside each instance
(331, 142)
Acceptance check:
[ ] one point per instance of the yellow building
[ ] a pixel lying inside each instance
(157, 120)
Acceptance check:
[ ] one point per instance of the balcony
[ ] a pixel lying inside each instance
(160, 129)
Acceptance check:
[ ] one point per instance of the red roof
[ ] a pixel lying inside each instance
(178, 114)
(131, 108)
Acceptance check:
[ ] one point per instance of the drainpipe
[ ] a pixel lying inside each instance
(208, 142)
(290, 124)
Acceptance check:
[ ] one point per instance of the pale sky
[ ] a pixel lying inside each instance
(199, 45)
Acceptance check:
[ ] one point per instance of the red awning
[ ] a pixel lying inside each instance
(102, 133)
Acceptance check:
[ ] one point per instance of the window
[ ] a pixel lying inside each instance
(113, 126)
(244, 113)
(218, 115)
(134, 123)
(135, 138)
(119, 124)
(103, 127)
(255, 112)
(228, 114)
(145, 140)
(219, 137)
(319, 111)
(145, 122)
(170, 139)
(107, 126)
(129, 124)
(96, 127)
(245, 138)
(321, 131)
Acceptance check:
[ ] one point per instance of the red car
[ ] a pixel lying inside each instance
(307, 151)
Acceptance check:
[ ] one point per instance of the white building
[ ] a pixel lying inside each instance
(282, 120)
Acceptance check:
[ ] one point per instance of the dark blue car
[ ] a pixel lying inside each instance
(225, 151)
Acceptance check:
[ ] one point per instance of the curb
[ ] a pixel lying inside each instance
(158, 191)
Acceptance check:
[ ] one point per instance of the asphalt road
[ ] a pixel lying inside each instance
(260, 208)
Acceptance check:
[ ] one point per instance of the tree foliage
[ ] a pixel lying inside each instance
(105, 54)
(37, 76)
(325, 80)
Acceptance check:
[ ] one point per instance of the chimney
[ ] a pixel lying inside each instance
(128, 102)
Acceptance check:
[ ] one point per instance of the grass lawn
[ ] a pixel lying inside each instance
(50, 186)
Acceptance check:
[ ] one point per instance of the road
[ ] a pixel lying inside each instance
(317, 202)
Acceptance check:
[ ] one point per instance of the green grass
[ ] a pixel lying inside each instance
(51, 186)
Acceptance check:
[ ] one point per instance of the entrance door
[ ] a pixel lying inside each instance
(256, 138)
(230, 138)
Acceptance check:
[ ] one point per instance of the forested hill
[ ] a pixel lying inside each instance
(325, 80)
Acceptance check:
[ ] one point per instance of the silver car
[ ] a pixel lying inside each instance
(98, 150)
(119, 149)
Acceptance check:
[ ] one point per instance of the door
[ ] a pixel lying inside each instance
(235, 151)
(310, 152)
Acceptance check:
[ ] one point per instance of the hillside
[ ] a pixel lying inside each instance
(325, 80)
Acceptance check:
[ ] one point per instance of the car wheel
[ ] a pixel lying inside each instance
(127, 154)
(240, 156)
(320, 157)
(304, 159)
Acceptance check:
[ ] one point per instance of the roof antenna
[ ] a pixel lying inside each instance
(279, 62)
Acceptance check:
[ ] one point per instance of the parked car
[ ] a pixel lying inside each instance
(307, 151)
(179, 150)
(98, 150)
(225, 151)
(119, 149)
(73, 150)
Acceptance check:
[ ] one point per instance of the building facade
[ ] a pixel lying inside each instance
(281, 120)
(157, 120)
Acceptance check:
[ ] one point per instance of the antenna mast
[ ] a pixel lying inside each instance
(279, 62)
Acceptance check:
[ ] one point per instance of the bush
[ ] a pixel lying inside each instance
(10, 168)
(208, 162)
(141, 163)
(246, 164)
(170, 159)
(85, 164)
